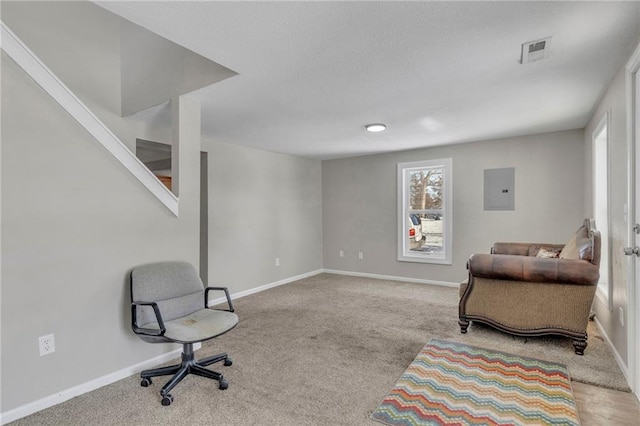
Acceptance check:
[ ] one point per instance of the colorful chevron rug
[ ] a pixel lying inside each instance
(455, 384)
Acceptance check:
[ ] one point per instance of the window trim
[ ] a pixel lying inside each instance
(604, 294)
(404, 254)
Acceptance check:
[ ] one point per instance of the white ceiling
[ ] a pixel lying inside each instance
(312, 74)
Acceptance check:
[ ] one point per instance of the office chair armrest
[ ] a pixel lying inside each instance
(147, 331)
(226, 293)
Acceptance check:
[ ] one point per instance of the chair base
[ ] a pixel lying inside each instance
(189, 365)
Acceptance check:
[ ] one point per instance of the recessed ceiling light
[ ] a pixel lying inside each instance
(375, 127)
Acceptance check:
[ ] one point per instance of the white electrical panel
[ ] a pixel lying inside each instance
(499, 189)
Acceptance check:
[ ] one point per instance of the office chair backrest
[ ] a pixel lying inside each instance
(174, 286)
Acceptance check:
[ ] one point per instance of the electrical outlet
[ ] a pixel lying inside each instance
(360, 255)
(341, 254)
(277, 261)
(47, 344)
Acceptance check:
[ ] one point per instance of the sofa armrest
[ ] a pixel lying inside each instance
(533, 269)
(520, 249)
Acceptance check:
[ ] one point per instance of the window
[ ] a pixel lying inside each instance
(601, 204)
(425, 211)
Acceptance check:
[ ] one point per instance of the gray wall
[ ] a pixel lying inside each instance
(80, 42)
(262, 206)
(74, 222)
(154, 69)
(613, 101)
(360, 202)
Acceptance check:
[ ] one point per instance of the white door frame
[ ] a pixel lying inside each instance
(633, 144)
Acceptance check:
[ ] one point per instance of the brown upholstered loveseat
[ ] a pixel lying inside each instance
(517, 289)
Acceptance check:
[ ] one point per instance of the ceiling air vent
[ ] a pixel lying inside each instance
(535, 50)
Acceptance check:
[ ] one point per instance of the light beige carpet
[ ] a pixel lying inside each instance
(320, 351)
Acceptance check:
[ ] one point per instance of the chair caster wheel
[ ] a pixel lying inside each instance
(167, 399)
(223, 384)
(228, 362)
(146, 381)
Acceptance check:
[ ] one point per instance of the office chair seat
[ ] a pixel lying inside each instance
(197, 327)
(169, 303)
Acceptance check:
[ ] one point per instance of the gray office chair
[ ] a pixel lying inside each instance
(169, 304)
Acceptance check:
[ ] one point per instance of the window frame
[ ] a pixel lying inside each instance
(404, 252)
(604, 290)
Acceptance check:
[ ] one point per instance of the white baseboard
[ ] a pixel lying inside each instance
(244, 293)
(616, 355)
(391, 278)
(59, 397)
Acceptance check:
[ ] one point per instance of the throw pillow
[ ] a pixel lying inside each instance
(533, 251)
(548, 253)
(570, 250)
